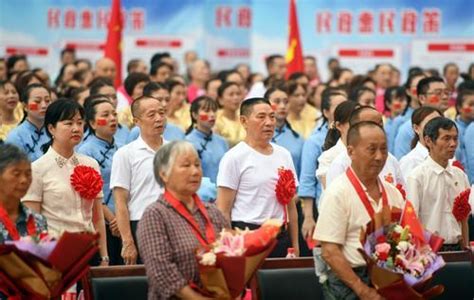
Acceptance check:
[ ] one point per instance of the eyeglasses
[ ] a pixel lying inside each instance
(446, 93)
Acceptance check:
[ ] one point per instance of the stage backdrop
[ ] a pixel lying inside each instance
(360, 33)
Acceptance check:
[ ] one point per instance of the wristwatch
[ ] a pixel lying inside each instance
(104, 259)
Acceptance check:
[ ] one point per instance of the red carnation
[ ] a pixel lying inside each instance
(461, 207)
(381, 239)
(286, 187)
(402, 191)
(87, 182)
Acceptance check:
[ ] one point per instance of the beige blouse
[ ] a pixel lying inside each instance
(63, 208)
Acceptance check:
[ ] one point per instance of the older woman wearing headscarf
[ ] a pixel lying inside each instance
(179, 222)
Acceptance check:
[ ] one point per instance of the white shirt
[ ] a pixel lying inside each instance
(342, 215)
(62, 206)
(432, 189)
(254, 176)
(327, 157)
(390, 172)
(132, 169)
(413, 159)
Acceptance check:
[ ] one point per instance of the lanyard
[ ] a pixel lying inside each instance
(11, 228)
(363, 195)
(210, 236)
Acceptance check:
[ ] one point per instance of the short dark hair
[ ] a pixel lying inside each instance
(353, 135)
(424, 84)
(135, 107)
(157, 57)
(418, 116)
(132, 64)
(132, 80)
(11, 154)
(12, 60)
(98, 83)
(432, 128)
(156, 66)
(247, 105)
(463, 93)
(355, 117)
(326, 98)
(68, 50)
(358, 91)
(152, 87)
(342, 114)
(271, 58)
(297, 75)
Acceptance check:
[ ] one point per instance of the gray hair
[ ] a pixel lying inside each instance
(166, 156)
(11, 154)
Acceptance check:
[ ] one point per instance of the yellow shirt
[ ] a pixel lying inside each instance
(231, 130)
(6, 128)
(181, 117)
(450, 113)
(307, 121)
(125, 117)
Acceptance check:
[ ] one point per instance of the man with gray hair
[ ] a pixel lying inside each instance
(132, 180)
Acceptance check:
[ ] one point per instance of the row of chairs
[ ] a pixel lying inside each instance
(284, 279)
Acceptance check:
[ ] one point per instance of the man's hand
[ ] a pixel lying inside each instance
(129, 253)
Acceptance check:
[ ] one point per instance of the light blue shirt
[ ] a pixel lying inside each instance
(313, 147)
(469, 151)
(292, 142)
(461, 149)
(208, 190)
(171, 133)
(211, 149)
(102, 151)
(121, 136)
(29, 139)
(403, 139)
(393, 125)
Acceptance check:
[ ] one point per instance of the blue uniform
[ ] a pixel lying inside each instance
(292, 142)
(313, 147)
(29, 139)
(393, 125)
(469, 151)
(403, 139)
(461, 149)
(121, 136)
(171, 133)
(211, 149)
(102, 151)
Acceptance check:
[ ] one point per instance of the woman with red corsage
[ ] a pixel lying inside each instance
(67, 186)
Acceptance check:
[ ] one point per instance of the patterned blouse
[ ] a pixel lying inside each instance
(167, 244)
(21, 221)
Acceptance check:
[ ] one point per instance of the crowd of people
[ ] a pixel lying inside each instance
(221, 138)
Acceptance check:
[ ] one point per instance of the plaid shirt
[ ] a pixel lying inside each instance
(167, 246)
(21, 221)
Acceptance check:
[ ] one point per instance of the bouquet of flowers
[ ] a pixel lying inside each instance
(402, 258)
(227, 265)
(36, 267)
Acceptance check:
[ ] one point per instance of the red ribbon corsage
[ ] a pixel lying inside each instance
(286, 186)
(402, 191)
(461, 207)
(87, 182)
(458, 164)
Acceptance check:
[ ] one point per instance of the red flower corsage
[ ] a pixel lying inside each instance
(461, 207)
(458, 164)
(402, 191)
(286, 187)
(87, 182)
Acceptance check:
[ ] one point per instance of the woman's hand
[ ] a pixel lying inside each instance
(129, 253)
(104, 263)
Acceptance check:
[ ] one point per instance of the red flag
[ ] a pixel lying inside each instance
(113, 46)
(410, 219)
(294, 53)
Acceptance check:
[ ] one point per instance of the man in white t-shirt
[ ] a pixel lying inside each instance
(132, 179)
(343, 212)
(248, 174)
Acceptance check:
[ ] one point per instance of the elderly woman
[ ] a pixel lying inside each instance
(173, 227)
(16, 220)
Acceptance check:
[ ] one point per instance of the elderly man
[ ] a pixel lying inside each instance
(132, 180)
(349, 204)
(105, 67)
(248, 174)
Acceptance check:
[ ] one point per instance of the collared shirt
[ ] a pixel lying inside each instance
(102, 151)
(294, 143)
(181, 117)
(230, 130)
(403, 139)
(413, 159)
(62, 206)
(21, 224)
(211, 148)
(171, 133)
(469, 152)
(253, 176)
(342, 215)
(168, 245)
(307, 121)
(132, 169)
(390, 173)
(312, 149)
(432, 190)
(461, 149)
(326, 158)
(29, 139)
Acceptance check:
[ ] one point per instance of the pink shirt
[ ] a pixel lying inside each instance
(194, 91)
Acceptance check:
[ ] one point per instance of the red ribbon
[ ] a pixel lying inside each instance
(363, 195)
(11, 227)
(181, 209)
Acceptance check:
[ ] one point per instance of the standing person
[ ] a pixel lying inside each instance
(131, 89)
(248, 174)
(51, 192)
(276, 66)
(199, 73)
(227, 122)
(395, 101)
(101, 118)
(383, 79)
(9, 101)
(311, 70)
(434, 185)
(30, 135)
(177, 112)
(132, 180)
(210, 146)
(301, 115)
(465, 109)
(451, 76)
(284, 135)
(348, 205)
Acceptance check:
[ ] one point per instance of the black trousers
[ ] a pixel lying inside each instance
(133, 228)
(114, 248)
(304, 250)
